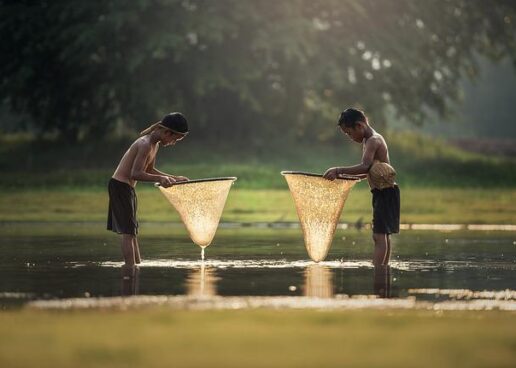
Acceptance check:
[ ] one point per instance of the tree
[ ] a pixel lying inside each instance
(241, 69)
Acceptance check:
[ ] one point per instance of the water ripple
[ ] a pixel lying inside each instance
(413, 265)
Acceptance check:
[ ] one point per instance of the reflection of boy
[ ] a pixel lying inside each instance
(376, 168)
(130, 281)
(382, 281)
(137, 164)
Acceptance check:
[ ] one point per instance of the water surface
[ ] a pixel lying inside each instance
(56, 261)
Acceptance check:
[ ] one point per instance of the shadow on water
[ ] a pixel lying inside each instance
(250, 262)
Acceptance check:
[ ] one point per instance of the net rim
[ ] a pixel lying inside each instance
(342, 176)
(232, 178)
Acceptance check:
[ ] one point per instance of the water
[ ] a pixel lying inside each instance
(48, 262)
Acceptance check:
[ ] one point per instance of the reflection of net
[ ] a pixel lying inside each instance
(318, 282)
(201, 282)
(319, 203)
(200, 205)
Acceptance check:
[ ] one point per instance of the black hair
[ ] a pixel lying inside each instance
(349, 118)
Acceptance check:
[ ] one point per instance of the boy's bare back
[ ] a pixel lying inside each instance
(381, 152)
(139, 156)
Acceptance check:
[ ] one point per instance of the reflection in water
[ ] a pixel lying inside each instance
(202, 282)
(130, 280)
(382, 281)
(318, 282)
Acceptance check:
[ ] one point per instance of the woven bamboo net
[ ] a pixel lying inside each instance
(319, 203)
(200, 204)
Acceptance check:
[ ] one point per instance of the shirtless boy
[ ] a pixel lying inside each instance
(137, 164)
(375, 166)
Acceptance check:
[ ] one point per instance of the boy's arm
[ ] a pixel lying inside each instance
(139, 173)
(361, 169)
(152, 170)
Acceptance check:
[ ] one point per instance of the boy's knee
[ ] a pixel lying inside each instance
(379, 238)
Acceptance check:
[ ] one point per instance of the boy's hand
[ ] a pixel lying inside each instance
(166, 181)
(179, 179)
(331, 174)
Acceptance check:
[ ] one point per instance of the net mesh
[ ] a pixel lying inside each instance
(200, 204)
(319, 203)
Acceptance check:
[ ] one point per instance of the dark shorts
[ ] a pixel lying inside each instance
(122, 208)
(386, 210)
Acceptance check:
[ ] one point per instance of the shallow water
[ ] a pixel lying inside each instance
(56, 261)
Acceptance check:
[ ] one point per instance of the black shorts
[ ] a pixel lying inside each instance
(386, 210)
(122, 208)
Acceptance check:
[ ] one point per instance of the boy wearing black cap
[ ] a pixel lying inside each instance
(375, 166)
(137, 164)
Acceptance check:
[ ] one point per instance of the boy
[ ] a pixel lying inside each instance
(138, 164)
(380, 175)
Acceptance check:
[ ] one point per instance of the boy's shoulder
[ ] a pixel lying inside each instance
(142, 142)
(375, 139)
(375, 142)
(379, 138)
(377, 135)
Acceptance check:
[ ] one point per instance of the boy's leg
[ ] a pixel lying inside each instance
(136, 248)
(388, 255)
(128, 249)
(380, 255)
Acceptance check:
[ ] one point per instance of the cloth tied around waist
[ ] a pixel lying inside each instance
(382, 175)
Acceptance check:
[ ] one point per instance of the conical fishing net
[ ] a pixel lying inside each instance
(319, 203)
(200, 204)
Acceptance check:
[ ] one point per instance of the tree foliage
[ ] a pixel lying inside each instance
(241, 69)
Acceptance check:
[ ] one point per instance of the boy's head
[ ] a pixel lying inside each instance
(172, 128)
(176, 122)
(353, 123)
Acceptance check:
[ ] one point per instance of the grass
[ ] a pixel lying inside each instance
(257, 338)
(419, 160)
(419, 205)
(50, 181)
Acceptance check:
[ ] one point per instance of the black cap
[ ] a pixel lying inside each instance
(176, 122)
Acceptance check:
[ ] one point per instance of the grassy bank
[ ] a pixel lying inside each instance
(257, 338)
(45, 180)
(419, 160)
(419, 205)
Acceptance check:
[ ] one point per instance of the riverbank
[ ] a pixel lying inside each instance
(419, 206)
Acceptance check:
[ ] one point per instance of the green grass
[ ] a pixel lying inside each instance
(419, 160)
(257, 338)
(50, 181)
(419, 205)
